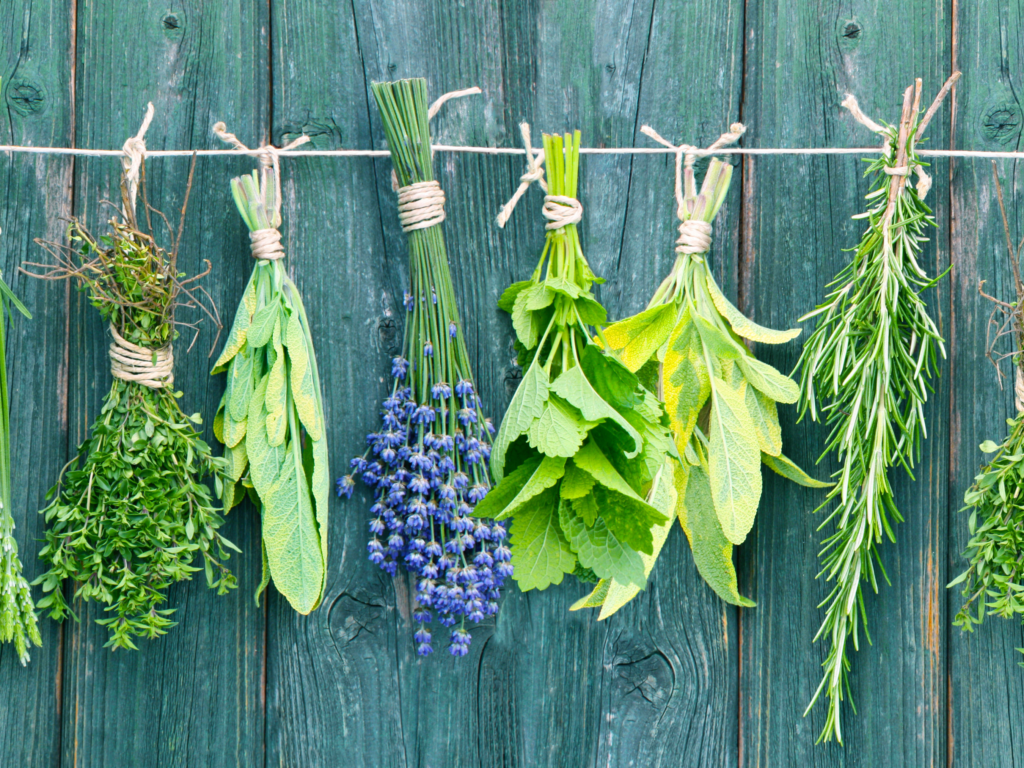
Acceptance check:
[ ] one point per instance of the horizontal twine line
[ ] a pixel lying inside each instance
(507, 151)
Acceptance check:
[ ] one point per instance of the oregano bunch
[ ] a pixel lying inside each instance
(866, 370)
(993, 583)
(130, 513)
(583, 443)
(690, 342)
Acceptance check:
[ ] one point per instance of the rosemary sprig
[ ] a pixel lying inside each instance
(869, 362)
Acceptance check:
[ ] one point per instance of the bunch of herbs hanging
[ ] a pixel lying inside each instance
(993, 583)
(271, 417)
(18, 621)
(721, 400)
(428, 465)
(867, 369)
(130, 513)
(582, 456)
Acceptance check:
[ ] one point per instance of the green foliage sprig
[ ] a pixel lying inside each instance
(866, 369)
(18, 621)
(131, 513)
(583, 443)
(271, 417)
(993, 583)
(720, 399)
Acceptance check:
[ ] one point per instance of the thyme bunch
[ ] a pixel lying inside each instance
(130, 513)
(866, 371)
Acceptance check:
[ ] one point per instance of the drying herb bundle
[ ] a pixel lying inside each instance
(428, 464)
(870, 361)
(130, 514)
(17, 613)
(720, 399)
(994, 580)
(583, 444)
(271, 417)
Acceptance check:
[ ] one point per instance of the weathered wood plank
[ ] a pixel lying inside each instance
(800, 60)
(333, 694)
(35, 39)
(193, 697)
(987, 688)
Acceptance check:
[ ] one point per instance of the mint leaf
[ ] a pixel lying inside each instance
(578, 391)
(629, 518)
(612, 380)
(527, 404)
(546, 474)
(559, 430)
(598, 549)
(576, 483)
(591, 312)
(500, 496)
(525, 321)
(586, 507)
(508, 296)
(540, 552)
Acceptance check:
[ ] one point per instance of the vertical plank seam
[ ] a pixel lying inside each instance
(266, 597)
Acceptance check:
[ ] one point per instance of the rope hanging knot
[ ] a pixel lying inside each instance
(421, 204)
(134, 150)
(559, 210)
(694, 234)
(264, 244)
(153, 368)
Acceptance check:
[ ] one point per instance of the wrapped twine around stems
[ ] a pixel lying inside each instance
(153, 368)
(559, 210)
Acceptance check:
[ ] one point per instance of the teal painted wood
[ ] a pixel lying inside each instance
(987, 688)
(37, 109)
(194, 697)
(800, 62)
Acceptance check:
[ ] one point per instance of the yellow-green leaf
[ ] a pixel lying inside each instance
(303, 386)
(743, 325)
(791, 471)
(595, 598)
(734, 461)
(686, 382)
(637, 339)
(765, 415)
(240, 328)
(762, 376)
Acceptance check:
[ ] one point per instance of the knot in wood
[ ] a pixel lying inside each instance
(153, 368)
(420, 205)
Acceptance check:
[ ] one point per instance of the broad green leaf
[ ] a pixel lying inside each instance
(741, 324)
(238, 460)
(613, 381)
(631, 520)
(591, 459)
(591, 312)
(558, 431)
(277, 399)
(264, 461)
(508, 297)
(240, 374)
(662, 498)
(595, 598)
(321, 487)
(540, 297)
(712, 552)
(290, 532)
(734, 461)
(586, 507)
(578, 391)
(686, 382)
(525, 321)
(218, 422)
(762, 376)
(265, 574)
(240, 328)
(765, 415)
(719, 343)
(262, 326)
(563, 286)
(303, 387)
(234, 431)
(785, 467)
(597, 548)
(501, 494)
(527, 404)
(636, 339)
(547, 473)
(576, 484)
(541, 555)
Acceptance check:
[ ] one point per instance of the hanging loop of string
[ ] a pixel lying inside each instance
(421, 204)
(131, 164)
(153, 368)
(559, 210)
(694, 234)
(264, 243)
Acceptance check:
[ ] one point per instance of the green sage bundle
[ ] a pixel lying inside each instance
(131, 513)
(869, 362)
(993, 583)
(271, 417)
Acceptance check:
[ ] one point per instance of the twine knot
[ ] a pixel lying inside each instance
(561, 210)
(420, 205)
(266, 244)
(153, 368)
(134, 154)
(534, 172)
(694, 237)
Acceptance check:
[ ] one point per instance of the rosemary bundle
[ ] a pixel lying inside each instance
(271, 416)
(993, 583)
(130, 514)
(582, 452)
(18, 622)
(428, 465)
(869, 361)
(720, 399)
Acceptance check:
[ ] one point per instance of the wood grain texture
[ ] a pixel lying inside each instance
(986, 686)
(800, 61)
(194, 697)
(35, 40)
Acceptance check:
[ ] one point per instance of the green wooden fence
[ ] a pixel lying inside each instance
(677, 678)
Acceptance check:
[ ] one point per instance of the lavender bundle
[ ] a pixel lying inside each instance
(428, 464)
